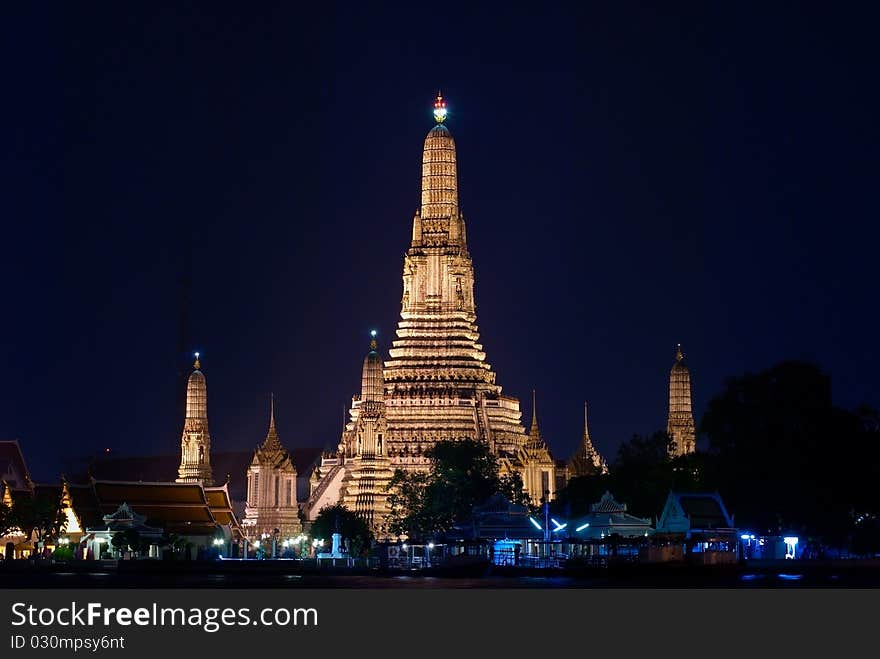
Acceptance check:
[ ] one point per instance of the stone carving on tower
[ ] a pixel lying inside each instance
(680, 425)
(271, 489)
(195, 441)
(538, 467)
(586, 460)
(363, 446)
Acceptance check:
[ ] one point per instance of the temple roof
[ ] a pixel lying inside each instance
(12, 465)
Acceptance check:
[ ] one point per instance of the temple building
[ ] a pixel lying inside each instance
(680, 425)
(537, 464)
(368, 468)
(195, 441)
(586, 460)
(437, 383)
(271, 489)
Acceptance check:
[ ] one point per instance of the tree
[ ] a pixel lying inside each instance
(7, 519)
(641, 476)
(787, 459)
(40, 516)
(127, 540)
(354, 529)
(463, 473)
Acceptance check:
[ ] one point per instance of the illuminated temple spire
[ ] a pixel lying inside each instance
(195, 441)
(680, 425)
(586, 459)
(271, 487)
(535, 431)
(272, 442)
(368, 469)
(438, 383)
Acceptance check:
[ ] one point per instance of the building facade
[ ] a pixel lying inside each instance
(271, 489)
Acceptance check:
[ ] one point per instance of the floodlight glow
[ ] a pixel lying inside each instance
(537, 526)
(373, 333)
(559, 528)
(791, 540)
(430, 545)
(197, 355)
(256, 543)
(404, 546)
(439, 109)
(582, 527)
(745, 536)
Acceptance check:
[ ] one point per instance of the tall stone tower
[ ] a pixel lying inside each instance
(586, 460)
(271, 488)
(680, 426)
(367, 467)
(195, 441)
(438, 384)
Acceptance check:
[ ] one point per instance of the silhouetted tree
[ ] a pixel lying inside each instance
(337, 518)
(787, 459)
(463, 473)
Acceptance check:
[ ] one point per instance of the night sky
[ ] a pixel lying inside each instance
(241, 181)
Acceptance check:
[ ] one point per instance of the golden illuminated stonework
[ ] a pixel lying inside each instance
(680, 425)
(438, 384)
(363, 447)
(271, 489)
(195, 441)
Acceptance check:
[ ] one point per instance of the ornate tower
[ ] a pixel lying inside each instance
(586, 460)
(680, 426)
(195, 442)
(538, 471)
(271, 488)
(438, 384)
(367, 467)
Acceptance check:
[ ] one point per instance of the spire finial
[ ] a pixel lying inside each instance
(534, 408)
(373, 344)
(439, 108)
(678, 354)
(586, 427)
(271, 411)
(197, 364)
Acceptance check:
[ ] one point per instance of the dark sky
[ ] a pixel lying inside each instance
(632, 177)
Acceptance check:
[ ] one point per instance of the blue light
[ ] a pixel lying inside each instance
(745, 536)
(537, 526)
(791, 540)
(582, 527)
(559, 526)
(373, 333)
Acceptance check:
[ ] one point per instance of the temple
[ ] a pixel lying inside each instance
(437, 384)
(680, 425)
(537, 465)
(586, 460)
(195, 441)
(368, 469)
(271, 489)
